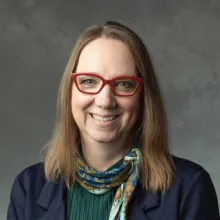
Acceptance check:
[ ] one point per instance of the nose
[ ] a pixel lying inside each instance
(105, 99)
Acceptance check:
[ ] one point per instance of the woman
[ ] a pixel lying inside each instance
(109, 156)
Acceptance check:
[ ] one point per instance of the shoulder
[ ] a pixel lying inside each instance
(31, 178)
(193, 186)
(185, 169)
(31, 191)
(188, 174)
(191, 195)
(35, 171)
(25, 190)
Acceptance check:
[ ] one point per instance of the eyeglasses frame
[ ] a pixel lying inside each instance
(105, 82)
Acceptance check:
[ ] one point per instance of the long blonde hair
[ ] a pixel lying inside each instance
(156, 166)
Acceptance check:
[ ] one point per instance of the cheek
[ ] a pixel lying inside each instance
(80, 101)
(131, 114)
(132, 104)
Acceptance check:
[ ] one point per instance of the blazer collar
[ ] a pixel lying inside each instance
(52, 201)
(151, 201)
(143, 203)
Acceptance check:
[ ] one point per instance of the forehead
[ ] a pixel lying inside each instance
(107, 57)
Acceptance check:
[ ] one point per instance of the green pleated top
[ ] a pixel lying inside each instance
(84, 205)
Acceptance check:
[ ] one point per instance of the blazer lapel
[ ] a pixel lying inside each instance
(52, 201)
(143, 203)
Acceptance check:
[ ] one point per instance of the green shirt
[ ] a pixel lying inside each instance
(83, 205)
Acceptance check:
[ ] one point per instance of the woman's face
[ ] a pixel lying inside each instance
(107, 58)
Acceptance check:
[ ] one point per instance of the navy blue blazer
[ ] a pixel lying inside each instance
(191, 197)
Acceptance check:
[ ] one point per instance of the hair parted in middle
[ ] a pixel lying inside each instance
(156, 165)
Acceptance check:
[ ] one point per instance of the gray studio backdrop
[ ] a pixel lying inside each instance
(36, 37)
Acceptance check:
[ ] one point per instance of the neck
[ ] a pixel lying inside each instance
(101, 156)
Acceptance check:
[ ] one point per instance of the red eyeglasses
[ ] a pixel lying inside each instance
(90, 83)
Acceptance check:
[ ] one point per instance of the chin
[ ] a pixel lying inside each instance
(104, 138)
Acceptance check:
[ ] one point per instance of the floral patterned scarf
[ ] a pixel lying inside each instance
(124, 177)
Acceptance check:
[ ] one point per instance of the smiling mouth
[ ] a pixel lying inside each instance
(104, 119)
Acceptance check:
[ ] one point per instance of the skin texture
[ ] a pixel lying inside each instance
(103, 142)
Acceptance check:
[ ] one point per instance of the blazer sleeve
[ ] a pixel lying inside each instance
(200, 201)
(17, 202)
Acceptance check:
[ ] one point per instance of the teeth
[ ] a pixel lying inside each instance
(99, 118)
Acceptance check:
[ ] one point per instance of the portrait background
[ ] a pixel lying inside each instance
(36, 38)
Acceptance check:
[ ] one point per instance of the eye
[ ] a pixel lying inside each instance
(124, 84)
(87, 81)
